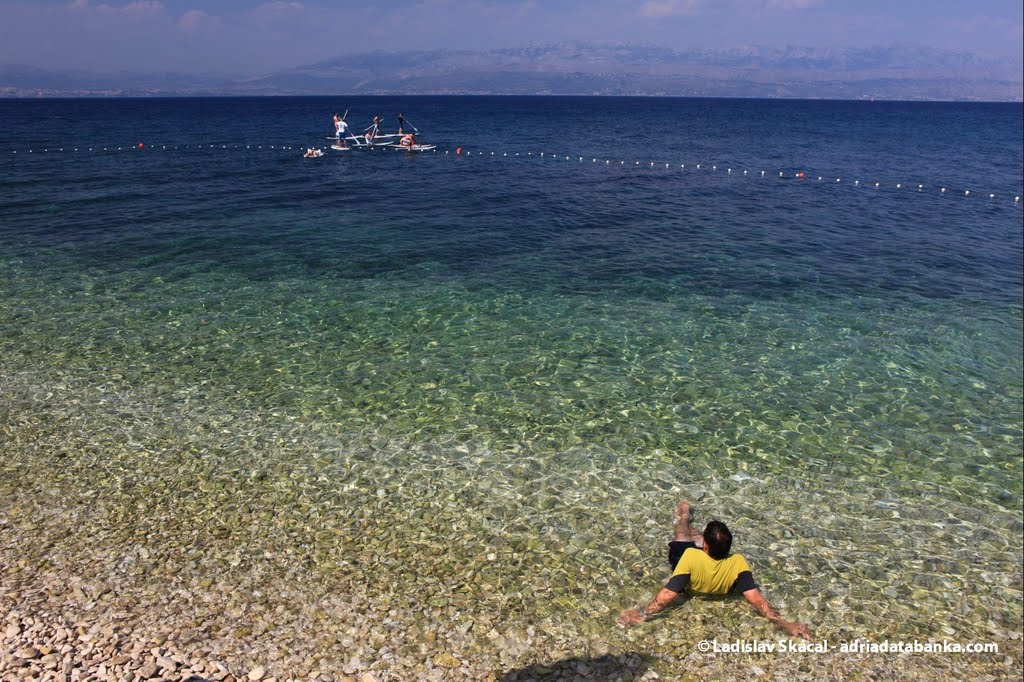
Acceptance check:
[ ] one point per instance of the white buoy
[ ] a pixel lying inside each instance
(607, 161)
(856, 183)
(698, 166)
(838, 179)
(744, 172)
(714, 168)
(762, 174)
(819, 178)
(730, 171)
(877, 184)
(991, 196)
(780, 174)
(943, 190)
(967, 192)
(898, 185)
(920, 187)
(652, 164)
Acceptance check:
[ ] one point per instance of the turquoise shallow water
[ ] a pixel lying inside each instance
(530, 358)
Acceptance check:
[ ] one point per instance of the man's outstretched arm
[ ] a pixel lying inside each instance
(758, 601)
(661, 600)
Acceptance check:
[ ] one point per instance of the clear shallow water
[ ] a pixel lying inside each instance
(532, 357)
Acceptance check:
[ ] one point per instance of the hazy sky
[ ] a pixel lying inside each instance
(249, 36)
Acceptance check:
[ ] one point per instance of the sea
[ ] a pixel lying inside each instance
(460, 392)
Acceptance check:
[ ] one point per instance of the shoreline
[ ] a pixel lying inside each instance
(42, 641)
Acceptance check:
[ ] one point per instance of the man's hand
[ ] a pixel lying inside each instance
(758, 601)
(630, 617)
(796, 630)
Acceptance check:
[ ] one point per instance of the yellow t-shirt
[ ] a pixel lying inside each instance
(707, 575)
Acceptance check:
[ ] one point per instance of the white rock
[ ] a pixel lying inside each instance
(257, 673)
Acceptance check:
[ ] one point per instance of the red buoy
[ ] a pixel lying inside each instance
(141, 145)
(458, 150)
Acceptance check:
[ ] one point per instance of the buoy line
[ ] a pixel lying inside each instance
(141, 147)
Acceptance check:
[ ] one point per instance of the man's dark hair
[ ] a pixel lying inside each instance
(717, 539)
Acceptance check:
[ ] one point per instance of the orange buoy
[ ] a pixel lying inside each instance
(141, 145)
(458, 150)
(800, 174)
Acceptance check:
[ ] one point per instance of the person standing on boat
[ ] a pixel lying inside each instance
(341, 131)
(703, 564)
(371, 132)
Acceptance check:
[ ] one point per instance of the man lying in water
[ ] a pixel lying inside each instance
(703, 563)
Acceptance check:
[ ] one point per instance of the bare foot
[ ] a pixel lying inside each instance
(683, 511)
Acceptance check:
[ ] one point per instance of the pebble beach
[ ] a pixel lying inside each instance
(192, 569)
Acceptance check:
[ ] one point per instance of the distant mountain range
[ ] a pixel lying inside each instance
(903, 73)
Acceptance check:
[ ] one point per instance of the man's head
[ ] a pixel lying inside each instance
(717, 540)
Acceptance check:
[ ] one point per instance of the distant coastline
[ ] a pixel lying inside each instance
(172, 96)
(884, 73)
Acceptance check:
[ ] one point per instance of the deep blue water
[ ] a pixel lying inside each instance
(561, 223)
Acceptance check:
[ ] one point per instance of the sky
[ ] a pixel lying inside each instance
(242, 37)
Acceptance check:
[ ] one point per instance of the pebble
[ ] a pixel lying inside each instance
(147, 671)
(446, 660)
(257, 673)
